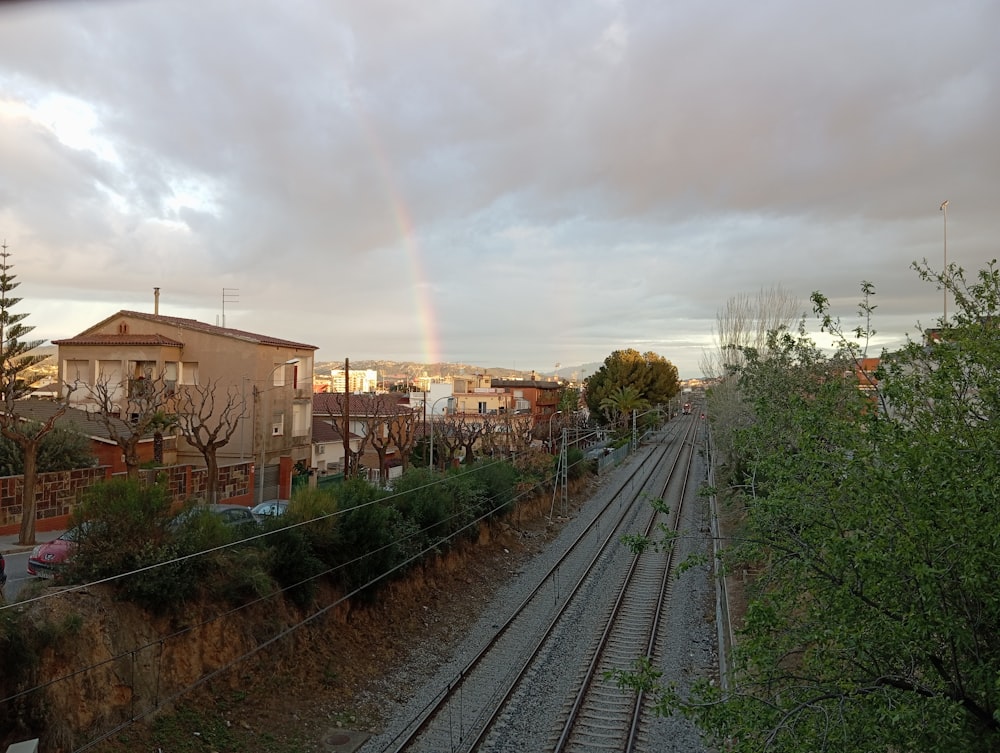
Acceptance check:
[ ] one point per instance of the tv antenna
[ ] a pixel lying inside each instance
(229, 295)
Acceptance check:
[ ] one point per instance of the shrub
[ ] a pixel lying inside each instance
(122, 526)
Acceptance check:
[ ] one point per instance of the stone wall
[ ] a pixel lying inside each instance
(58, 493)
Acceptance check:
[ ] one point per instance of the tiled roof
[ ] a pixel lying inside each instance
(386, 404)
(120, 340)
(74, 419)
(521, 383)
(190, 324)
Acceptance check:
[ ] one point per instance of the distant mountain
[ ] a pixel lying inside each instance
(414, 370)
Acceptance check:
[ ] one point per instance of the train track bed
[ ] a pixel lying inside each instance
(539, 701)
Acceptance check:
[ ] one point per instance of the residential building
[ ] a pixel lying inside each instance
(477, 395)
(381, 429)
(361, 380)
(268, 378)
(538, 397)
(105, 450)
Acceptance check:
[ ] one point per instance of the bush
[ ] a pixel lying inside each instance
(122, 527)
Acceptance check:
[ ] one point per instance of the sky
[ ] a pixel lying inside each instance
(504, 183)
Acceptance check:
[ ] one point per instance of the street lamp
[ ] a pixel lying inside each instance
(944, 208)
(263, 424)
(430, 465)
(557, 413)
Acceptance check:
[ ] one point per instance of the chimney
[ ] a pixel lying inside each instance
(156, 301)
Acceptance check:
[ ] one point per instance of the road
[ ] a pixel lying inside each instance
(17, 574)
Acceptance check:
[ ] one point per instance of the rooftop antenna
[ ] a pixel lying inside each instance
(229, 295)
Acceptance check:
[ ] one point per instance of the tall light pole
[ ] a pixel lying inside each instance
(263, 424)
(430, 465)
(557, 413)
(944, 208)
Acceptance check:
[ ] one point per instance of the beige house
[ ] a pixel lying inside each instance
(271, 377)
(476, 395)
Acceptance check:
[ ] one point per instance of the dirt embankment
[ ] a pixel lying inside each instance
(110, 663)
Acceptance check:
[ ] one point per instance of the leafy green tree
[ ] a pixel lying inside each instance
(873, 518)
(618, 406)
(15, 359)
(653, 378)
(59, 450)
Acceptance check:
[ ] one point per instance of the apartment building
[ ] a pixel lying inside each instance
(270, 378)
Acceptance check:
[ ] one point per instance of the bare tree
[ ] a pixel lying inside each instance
(744, 322)
(400, 425)
(130, 410)
(375, 419)
(208, 420)
(471, 431)
(742, 325)
(15, 360)
(448, 434)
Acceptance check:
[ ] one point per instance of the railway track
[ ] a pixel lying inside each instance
(602, 717)
(477, 708)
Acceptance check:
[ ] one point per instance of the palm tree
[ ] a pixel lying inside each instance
(620, 404)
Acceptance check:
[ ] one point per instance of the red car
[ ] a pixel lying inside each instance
(47, 558)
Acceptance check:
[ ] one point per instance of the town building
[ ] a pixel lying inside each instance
(265, 381)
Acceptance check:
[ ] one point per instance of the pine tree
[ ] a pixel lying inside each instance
(15, 359)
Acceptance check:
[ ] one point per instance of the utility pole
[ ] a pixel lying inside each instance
(347, 418)
(944, 208)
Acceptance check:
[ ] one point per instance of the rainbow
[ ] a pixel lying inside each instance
(408, 234)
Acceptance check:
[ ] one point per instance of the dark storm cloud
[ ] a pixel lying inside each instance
(592, 175)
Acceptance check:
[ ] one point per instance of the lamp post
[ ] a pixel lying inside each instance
(263, 424)
(557, 413)
(430, 465)
(944, 208)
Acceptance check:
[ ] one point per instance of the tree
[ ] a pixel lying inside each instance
(744, 325)
(15, 359)
(619, 405)
(208, 420)
(873, 517)
(401, 433)
(130, 410)
(653, 378)
(59, 450)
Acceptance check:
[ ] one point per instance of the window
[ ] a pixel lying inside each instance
(300, 420)
(278, 424)
(76, 372)
(109, 374)
(189, 372)
(279, 375)
(482, 407)
(170, 376)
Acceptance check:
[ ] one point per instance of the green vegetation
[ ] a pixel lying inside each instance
(354, 536)
(872, 520)
(16, 361)
(627, 381)
(58, 450)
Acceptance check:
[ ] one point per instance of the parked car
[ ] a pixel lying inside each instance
(46, 559)
(269, 509)
(231, 515)
(3, 571)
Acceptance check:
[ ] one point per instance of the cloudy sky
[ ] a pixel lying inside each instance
(503, 183)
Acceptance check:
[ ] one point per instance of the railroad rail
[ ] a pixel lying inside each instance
(473, 704)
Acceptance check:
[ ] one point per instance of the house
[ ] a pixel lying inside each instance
(538, 397)
(265, 381)
(105, 450)
(382, 429)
